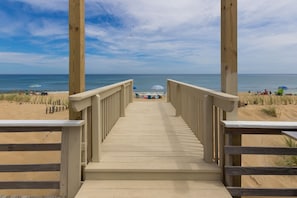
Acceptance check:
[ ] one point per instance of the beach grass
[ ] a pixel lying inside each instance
(268, 99)
(34, 99)
(270, 110)
(292, 159)
(53, 103)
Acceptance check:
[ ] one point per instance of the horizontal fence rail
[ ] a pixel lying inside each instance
(202, 110)
(235, 128)
(101, 108)
(69, 167)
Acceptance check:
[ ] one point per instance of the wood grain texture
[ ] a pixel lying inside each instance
(151, 142)
(29, 129)
(233, 170)
(29, 168)
(30, 185)
(30, 147)
(237, 150)
(276, 192)
(152, 188)
(76, 51)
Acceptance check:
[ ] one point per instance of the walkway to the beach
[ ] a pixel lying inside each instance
(152, 153)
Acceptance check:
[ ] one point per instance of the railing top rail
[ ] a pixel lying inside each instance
(260, 124)
(219, 95)
(93, 92)
(41, 123)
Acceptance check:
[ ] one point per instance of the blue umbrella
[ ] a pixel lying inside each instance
(283, 87)
(134, 87)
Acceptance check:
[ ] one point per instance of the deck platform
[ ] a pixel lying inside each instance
(151, 152)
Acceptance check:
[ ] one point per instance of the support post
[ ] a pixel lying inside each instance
(132, 92)
(122, 101)
(96, 128)
(229, 82)
(178, 100)
(208, 128)
(70, 161)
(76, 51)
(168, 91)
(229, 46)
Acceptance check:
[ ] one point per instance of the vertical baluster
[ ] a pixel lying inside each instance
(96, 128)
(207, 126)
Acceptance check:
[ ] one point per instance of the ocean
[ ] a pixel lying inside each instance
(144, 82)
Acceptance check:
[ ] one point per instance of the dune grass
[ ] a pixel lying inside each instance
(289, 160)
(268, 100)
(34, 99)
(271, 111)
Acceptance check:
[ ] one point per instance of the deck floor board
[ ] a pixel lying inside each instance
(151, 127)
(149, 143)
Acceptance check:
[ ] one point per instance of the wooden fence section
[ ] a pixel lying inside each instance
(231, 128)
(70, 177)
(201, 109)
(101, 108)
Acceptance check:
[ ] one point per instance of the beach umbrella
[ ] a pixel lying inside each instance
(157, 87)
(283, 87)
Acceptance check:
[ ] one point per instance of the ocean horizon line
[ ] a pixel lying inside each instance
(156, 74)
(144, 82)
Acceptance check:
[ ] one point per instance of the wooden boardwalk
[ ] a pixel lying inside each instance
(151, 152)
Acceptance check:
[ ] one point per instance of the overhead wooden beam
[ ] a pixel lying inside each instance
(76, 51)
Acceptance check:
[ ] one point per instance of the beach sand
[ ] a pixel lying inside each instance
(21, 110)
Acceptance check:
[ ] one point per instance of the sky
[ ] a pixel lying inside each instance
(147, 36)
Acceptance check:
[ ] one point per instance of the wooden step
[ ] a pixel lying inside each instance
(167, 170)
(148, 189)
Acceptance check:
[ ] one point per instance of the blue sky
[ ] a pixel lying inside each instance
(156, 36)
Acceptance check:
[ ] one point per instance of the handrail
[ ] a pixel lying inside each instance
(70, 167)
(101, 108)
(261, 125)
(201, 109)
(93, 92)
(232, 173)
(222, 100)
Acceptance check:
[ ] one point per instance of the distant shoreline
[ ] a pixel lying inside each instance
(144, 82)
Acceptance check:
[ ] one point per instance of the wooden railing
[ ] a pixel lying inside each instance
(235, 128)
(70, 168)
(202, 110)
(101, 108)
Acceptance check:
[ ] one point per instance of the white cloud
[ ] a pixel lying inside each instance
(51, 5)
(169, 35)
(35, 60)
(267, 36)
(179, 31)
(48, 28)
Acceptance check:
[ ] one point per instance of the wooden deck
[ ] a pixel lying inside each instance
(151, 152)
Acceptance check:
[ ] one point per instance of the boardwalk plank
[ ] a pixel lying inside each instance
(152, 153)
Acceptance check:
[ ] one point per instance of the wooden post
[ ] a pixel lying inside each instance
(123, 101)
(229, 66)
(168, 91)
(229, 46)
(70, 161)
(208, 128)
(96, 128)
(76, 51)
(178, 100)
(132, 92)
